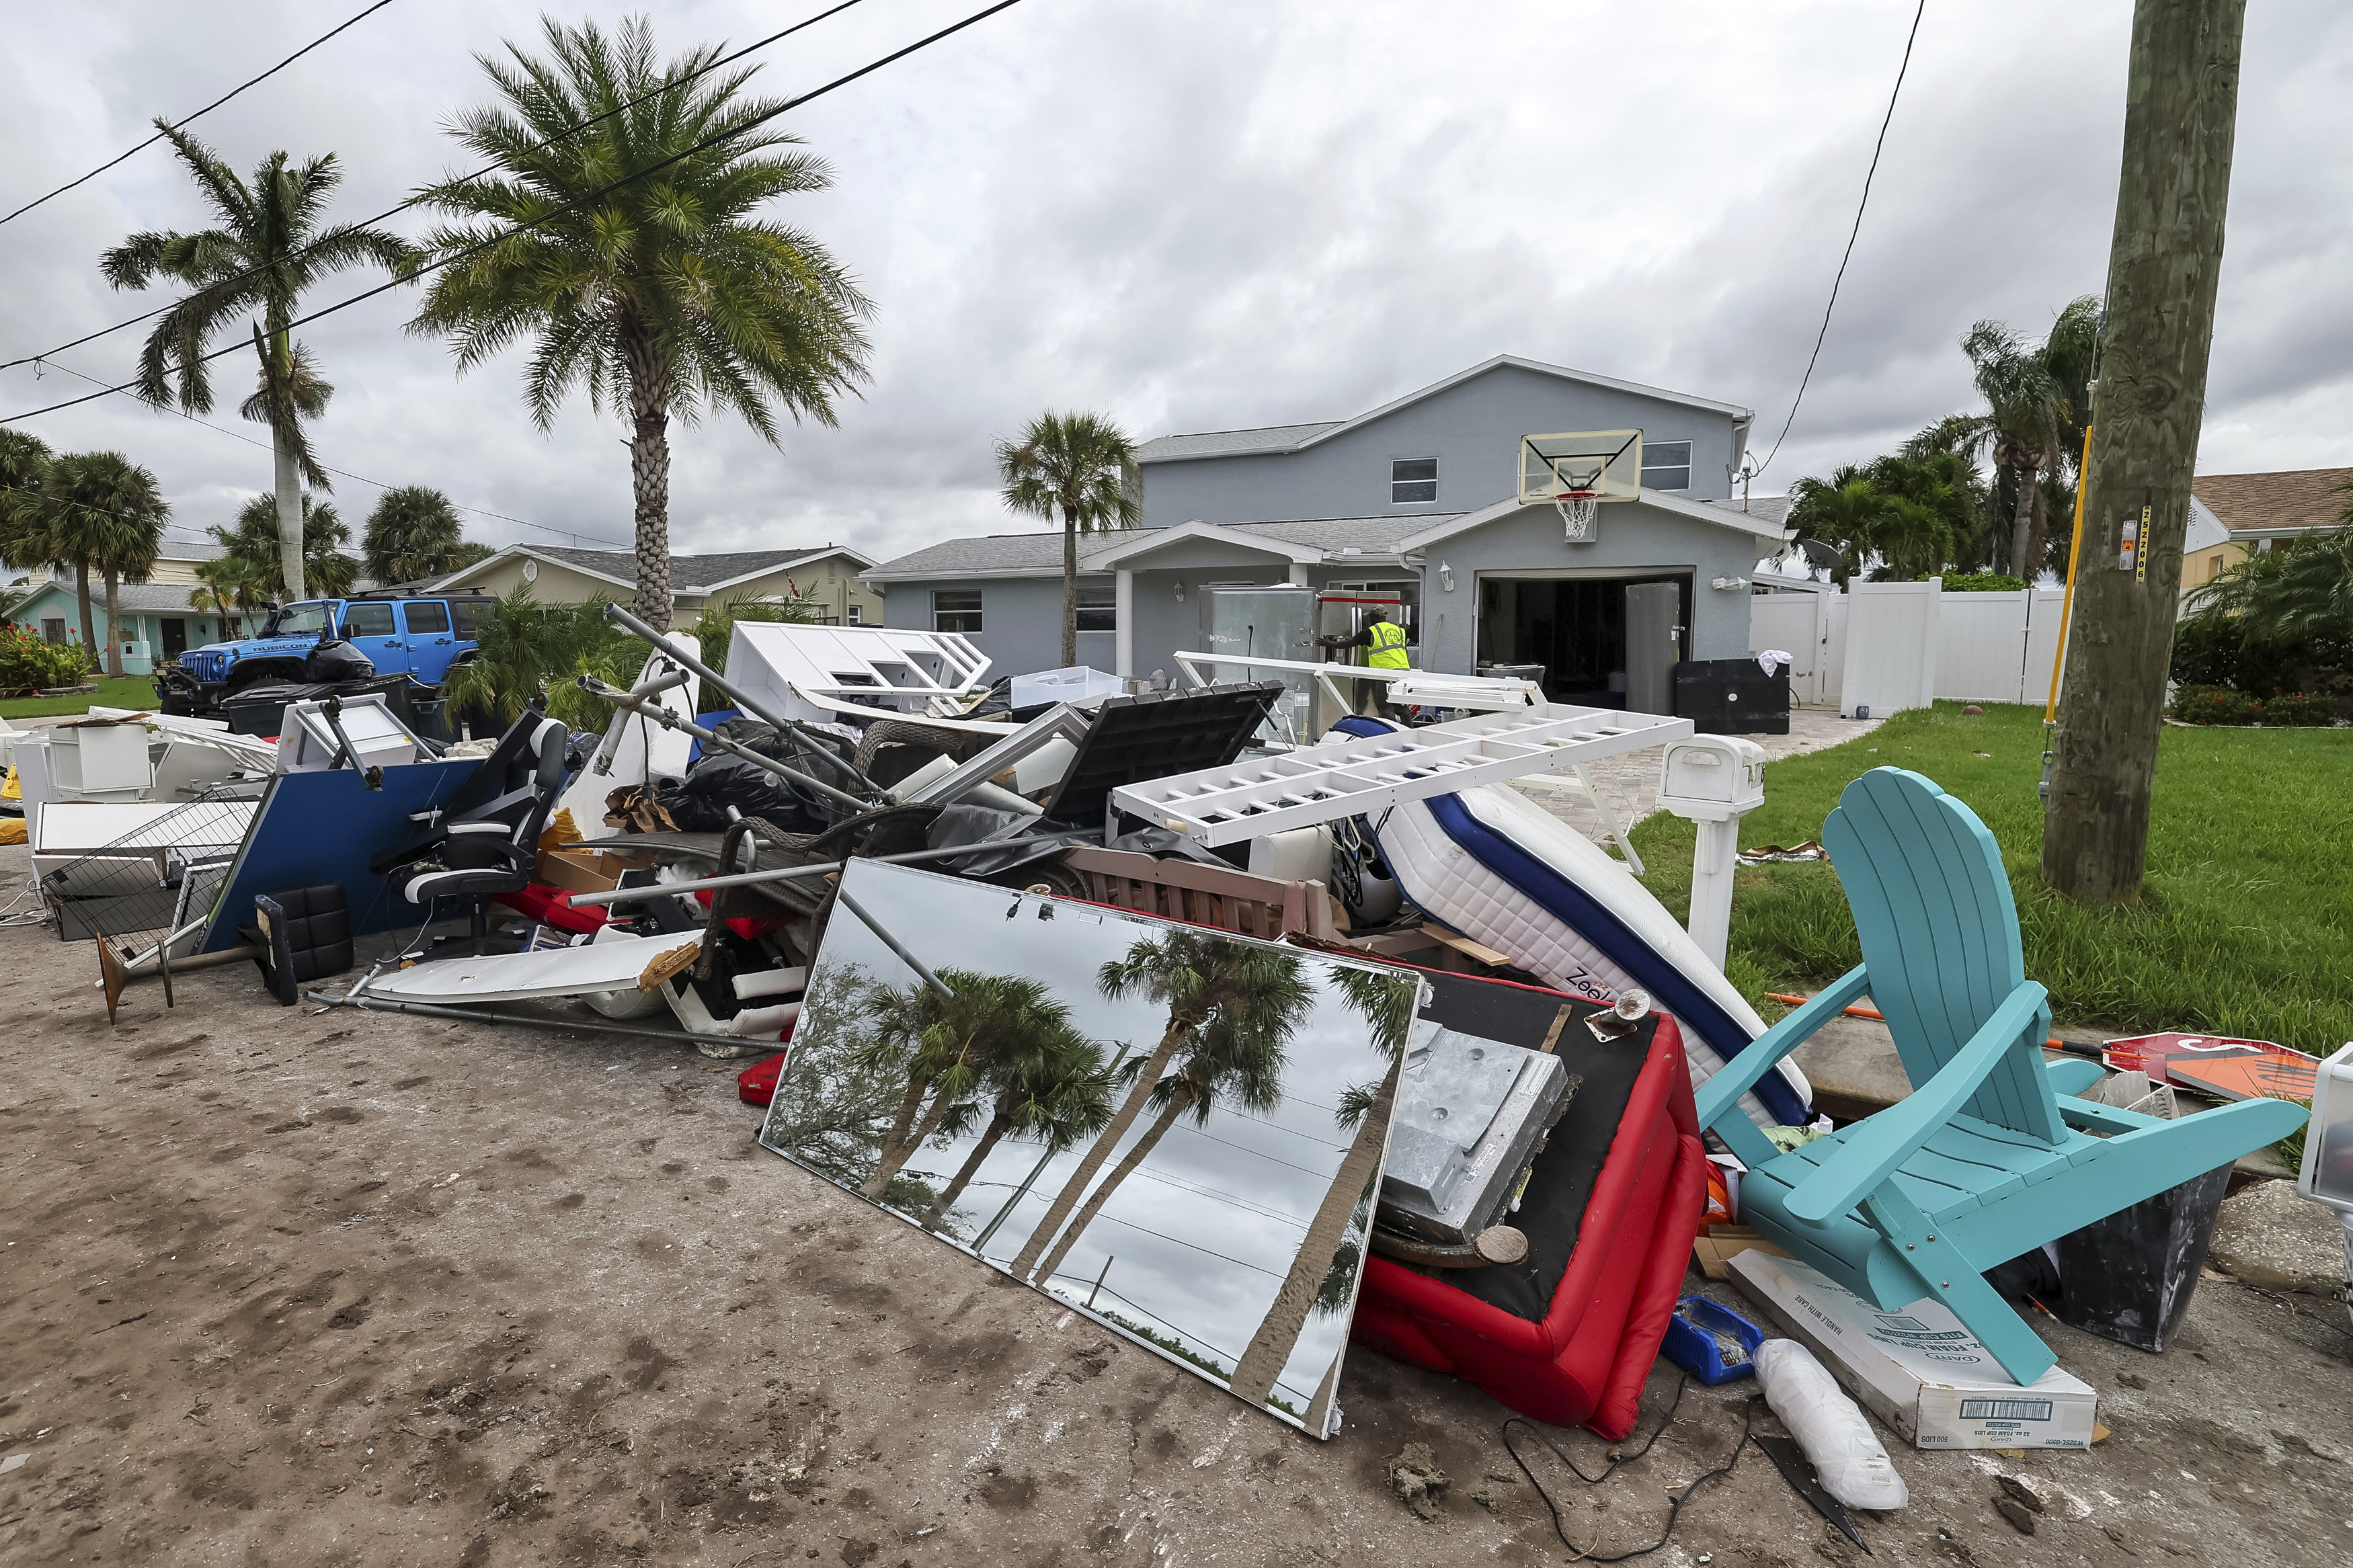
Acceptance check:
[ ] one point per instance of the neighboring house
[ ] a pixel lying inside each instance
(2246, 513)
(1418, 497)
(159, 620)
(823, 577)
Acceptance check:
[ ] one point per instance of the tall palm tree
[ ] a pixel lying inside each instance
(949, 1043)
(2038, 399)
(1387, 1003)
(414, 533)
(1236, 1062)
(24, 461)
(1201, 979)
(252, 565)
(662, 296)
(268, 247)
(1051, 1088)
(1083, 468)
(106, 516)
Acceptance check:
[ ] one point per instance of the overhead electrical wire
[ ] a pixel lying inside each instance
(502, 237)
(1860, 207)
(199, 114)
(398, 208)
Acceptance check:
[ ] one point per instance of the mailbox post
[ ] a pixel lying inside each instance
(1712, 781)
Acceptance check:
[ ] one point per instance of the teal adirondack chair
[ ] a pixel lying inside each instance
(1989, 1156)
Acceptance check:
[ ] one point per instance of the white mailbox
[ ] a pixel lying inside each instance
(1713, 777)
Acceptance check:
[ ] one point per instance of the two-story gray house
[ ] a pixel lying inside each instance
(1418, 498)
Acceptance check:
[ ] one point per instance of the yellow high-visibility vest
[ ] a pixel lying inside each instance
(1387, 646)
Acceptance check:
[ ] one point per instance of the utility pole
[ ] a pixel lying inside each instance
(2180, 102)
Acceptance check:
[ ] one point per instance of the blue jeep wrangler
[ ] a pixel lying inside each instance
(420, 637)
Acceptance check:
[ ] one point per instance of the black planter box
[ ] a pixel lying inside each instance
(2129, 1277)
(1732, 697)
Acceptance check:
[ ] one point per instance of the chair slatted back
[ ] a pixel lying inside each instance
(1939, 934)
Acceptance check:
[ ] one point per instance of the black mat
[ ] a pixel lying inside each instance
(1157, 734)
(1552, 1209)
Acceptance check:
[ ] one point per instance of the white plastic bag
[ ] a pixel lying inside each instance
(1833, 1432)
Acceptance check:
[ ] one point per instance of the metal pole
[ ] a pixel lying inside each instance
(786, 873)
(669, 721)
(1098, 1279)
(711, 678)
(908, 959)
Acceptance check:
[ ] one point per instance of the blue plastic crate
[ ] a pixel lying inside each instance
(1690, 1340)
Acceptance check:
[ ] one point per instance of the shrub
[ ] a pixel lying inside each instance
(2211, 650)
(1982, 583)
(2221, 705)
(30, 663)
(528, 649)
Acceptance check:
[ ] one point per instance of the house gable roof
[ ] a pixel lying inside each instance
(2295, 499)
(688, 573)
(1277, 438)
(1715, 512)
(1306, 541)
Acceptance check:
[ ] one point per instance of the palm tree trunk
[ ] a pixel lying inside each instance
(1271, 1347)
(880, 1182)
(89, 624)
(290, 514)
(1178, 1105)
(2022, 526)
(650, 473)
(1070, 587)
(114, 622)
(1179, 1025)
(900, 1125)
(979, 1156)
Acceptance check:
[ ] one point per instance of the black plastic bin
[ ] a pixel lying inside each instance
(2128, 1277)
(1732, 697)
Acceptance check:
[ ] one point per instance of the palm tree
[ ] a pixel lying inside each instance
(2038, 399)
(413, 535)
(1051, 1088)
(106, 516)
(949, 1043)
(2294, 594)
(1387, 1003)
(24, 507)
(1237, 1061)
(1082, 467)
(268, 248)
(662, 296)
(1202, 979)
(252, 564)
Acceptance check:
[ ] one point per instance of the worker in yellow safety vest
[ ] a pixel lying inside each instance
(1385, 641)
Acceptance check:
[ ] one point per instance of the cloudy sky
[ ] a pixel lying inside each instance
(1205, 215)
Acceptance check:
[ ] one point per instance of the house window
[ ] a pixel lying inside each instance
(1413, 480)
(1098, 609)
(53, 630)
(856, 614)
(1666, 465)
(956, 610)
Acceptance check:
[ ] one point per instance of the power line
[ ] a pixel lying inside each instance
(1876, 148)
(501, 238)
(1320, 1175)
(199, 114)
(345, 473)
(397, 209)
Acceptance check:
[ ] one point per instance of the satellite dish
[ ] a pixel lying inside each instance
(1816, 553)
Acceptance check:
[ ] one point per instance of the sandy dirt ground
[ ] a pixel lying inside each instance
(285, 1287)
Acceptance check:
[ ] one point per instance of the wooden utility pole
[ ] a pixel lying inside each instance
(2180, 100)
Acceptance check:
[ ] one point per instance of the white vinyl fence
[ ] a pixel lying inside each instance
(1911, 641)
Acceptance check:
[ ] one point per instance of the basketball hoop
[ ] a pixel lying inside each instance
(1578, 510)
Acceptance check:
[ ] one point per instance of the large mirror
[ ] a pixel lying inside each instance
(1178, 1132)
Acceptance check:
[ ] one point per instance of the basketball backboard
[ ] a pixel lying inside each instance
(1607, 464)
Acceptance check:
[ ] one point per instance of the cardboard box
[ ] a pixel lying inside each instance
(1716, 1248)
(579, 869)
(1918, 1370)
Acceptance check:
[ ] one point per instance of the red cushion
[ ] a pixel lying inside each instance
(545, 904)
(1585, 1364)
(756, 1084)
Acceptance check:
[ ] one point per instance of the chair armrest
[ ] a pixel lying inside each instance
(1871, 1152)
(2074, 1075)
(1738, 1076)
(2096, 1117)
(386, 860)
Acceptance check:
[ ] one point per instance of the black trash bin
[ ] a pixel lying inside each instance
(2128, 1277)
(1732, 697)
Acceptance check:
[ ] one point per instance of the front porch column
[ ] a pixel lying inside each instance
(1299, 574)
(1122, 621)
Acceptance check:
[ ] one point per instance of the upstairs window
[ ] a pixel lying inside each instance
(1098, 609)
(956, 610)
(1413, 480)
(1666, 465)
(857, 614)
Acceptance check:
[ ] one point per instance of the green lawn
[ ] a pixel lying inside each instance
(130, 691)
(2245, 926)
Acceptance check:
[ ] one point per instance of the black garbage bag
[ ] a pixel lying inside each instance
(335, 661)
(699, 802)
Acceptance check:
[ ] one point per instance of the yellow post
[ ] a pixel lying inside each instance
(2074, 559)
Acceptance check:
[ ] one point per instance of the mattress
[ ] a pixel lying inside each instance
(1497, 867)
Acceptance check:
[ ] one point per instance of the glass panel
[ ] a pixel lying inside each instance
(1413, 468)
(1666, 478)
(472, 616)
(368, 620)
(425, 617)
(1187, 1172)
(1666, 465)
(1406, 493)
(956, 610)
(298, 620)
(1098, 608)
